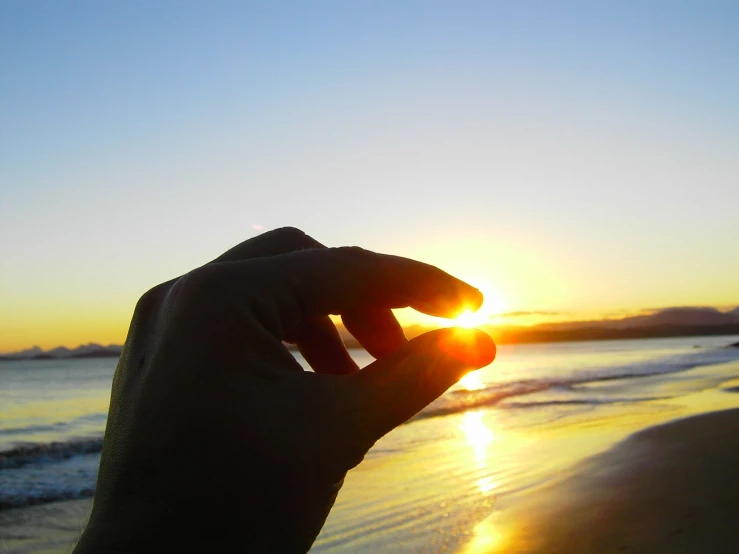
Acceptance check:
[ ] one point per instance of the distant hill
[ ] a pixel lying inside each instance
(91, 350)
(684, 317)
(669, 322)
(28, 353)
(102, 353)
(518, 335)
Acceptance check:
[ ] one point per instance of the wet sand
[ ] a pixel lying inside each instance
(672, 488)
(47, 528)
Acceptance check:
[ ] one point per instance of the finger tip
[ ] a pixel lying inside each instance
(476, 298)
(467, 298)
(473, 347)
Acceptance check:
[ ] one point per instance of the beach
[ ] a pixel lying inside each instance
(617, 446)
(668, 489)
(242, 204)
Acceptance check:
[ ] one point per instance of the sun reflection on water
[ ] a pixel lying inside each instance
(477, 434)
(487, 539)
(472, 381)
(480, 434)
(487, 485)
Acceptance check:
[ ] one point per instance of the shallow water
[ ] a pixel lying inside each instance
(426, 486)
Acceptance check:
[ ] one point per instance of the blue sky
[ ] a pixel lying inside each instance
(569, 156)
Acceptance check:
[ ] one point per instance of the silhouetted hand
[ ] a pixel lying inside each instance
(218, 440)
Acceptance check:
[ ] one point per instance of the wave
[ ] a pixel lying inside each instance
(37, 453)
(40, 473)
(29, 429)
(462, 400)
(35, 473)
(8, 501)
(56, 427)
(581, 402)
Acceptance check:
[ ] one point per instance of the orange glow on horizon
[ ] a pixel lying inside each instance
(469, 319)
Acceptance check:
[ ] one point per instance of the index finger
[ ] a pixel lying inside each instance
(271, 243)
(317, 282)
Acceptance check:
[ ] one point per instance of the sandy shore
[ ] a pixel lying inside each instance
(673, 488)
(48, 528)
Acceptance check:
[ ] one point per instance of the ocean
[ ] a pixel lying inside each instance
(426, 487)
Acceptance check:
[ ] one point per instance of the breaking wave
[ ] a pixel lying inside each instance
(462, 400)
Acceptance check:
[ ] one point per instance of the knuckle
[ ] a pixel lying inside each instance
(152, 299)
(290, 233)
(355, 252)
(295, 239)
(363, 262)
(286, 239)
(201, 282)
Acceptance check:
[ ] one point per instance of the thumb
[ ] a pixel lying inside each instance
(394, 388)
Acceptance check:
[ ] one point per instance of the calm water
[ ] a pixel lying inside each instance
(455, 457)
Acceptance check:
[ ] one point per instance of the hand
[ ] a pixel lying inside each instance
(218, 440)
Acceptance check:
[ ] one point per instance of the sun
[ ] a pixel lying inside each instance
(491, 307)
(468, 319)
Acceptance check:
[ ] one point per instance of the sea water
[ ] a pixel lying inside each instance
(423, 486)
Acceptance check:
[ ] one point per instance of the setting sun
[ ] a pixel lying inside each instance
(468, 319)
(491, 308)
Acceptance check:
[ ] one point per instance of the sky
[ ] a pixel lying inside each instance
(569, 158)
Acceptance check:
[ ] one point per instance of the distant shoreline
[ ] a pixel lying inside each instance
(601, 333)
(5, 357)
(541, 336)
(502, 336)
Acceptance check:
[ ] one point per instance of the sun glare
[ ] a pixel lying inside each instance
(477, 434)
(472, 381)
(468, 319)
(491, 308)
